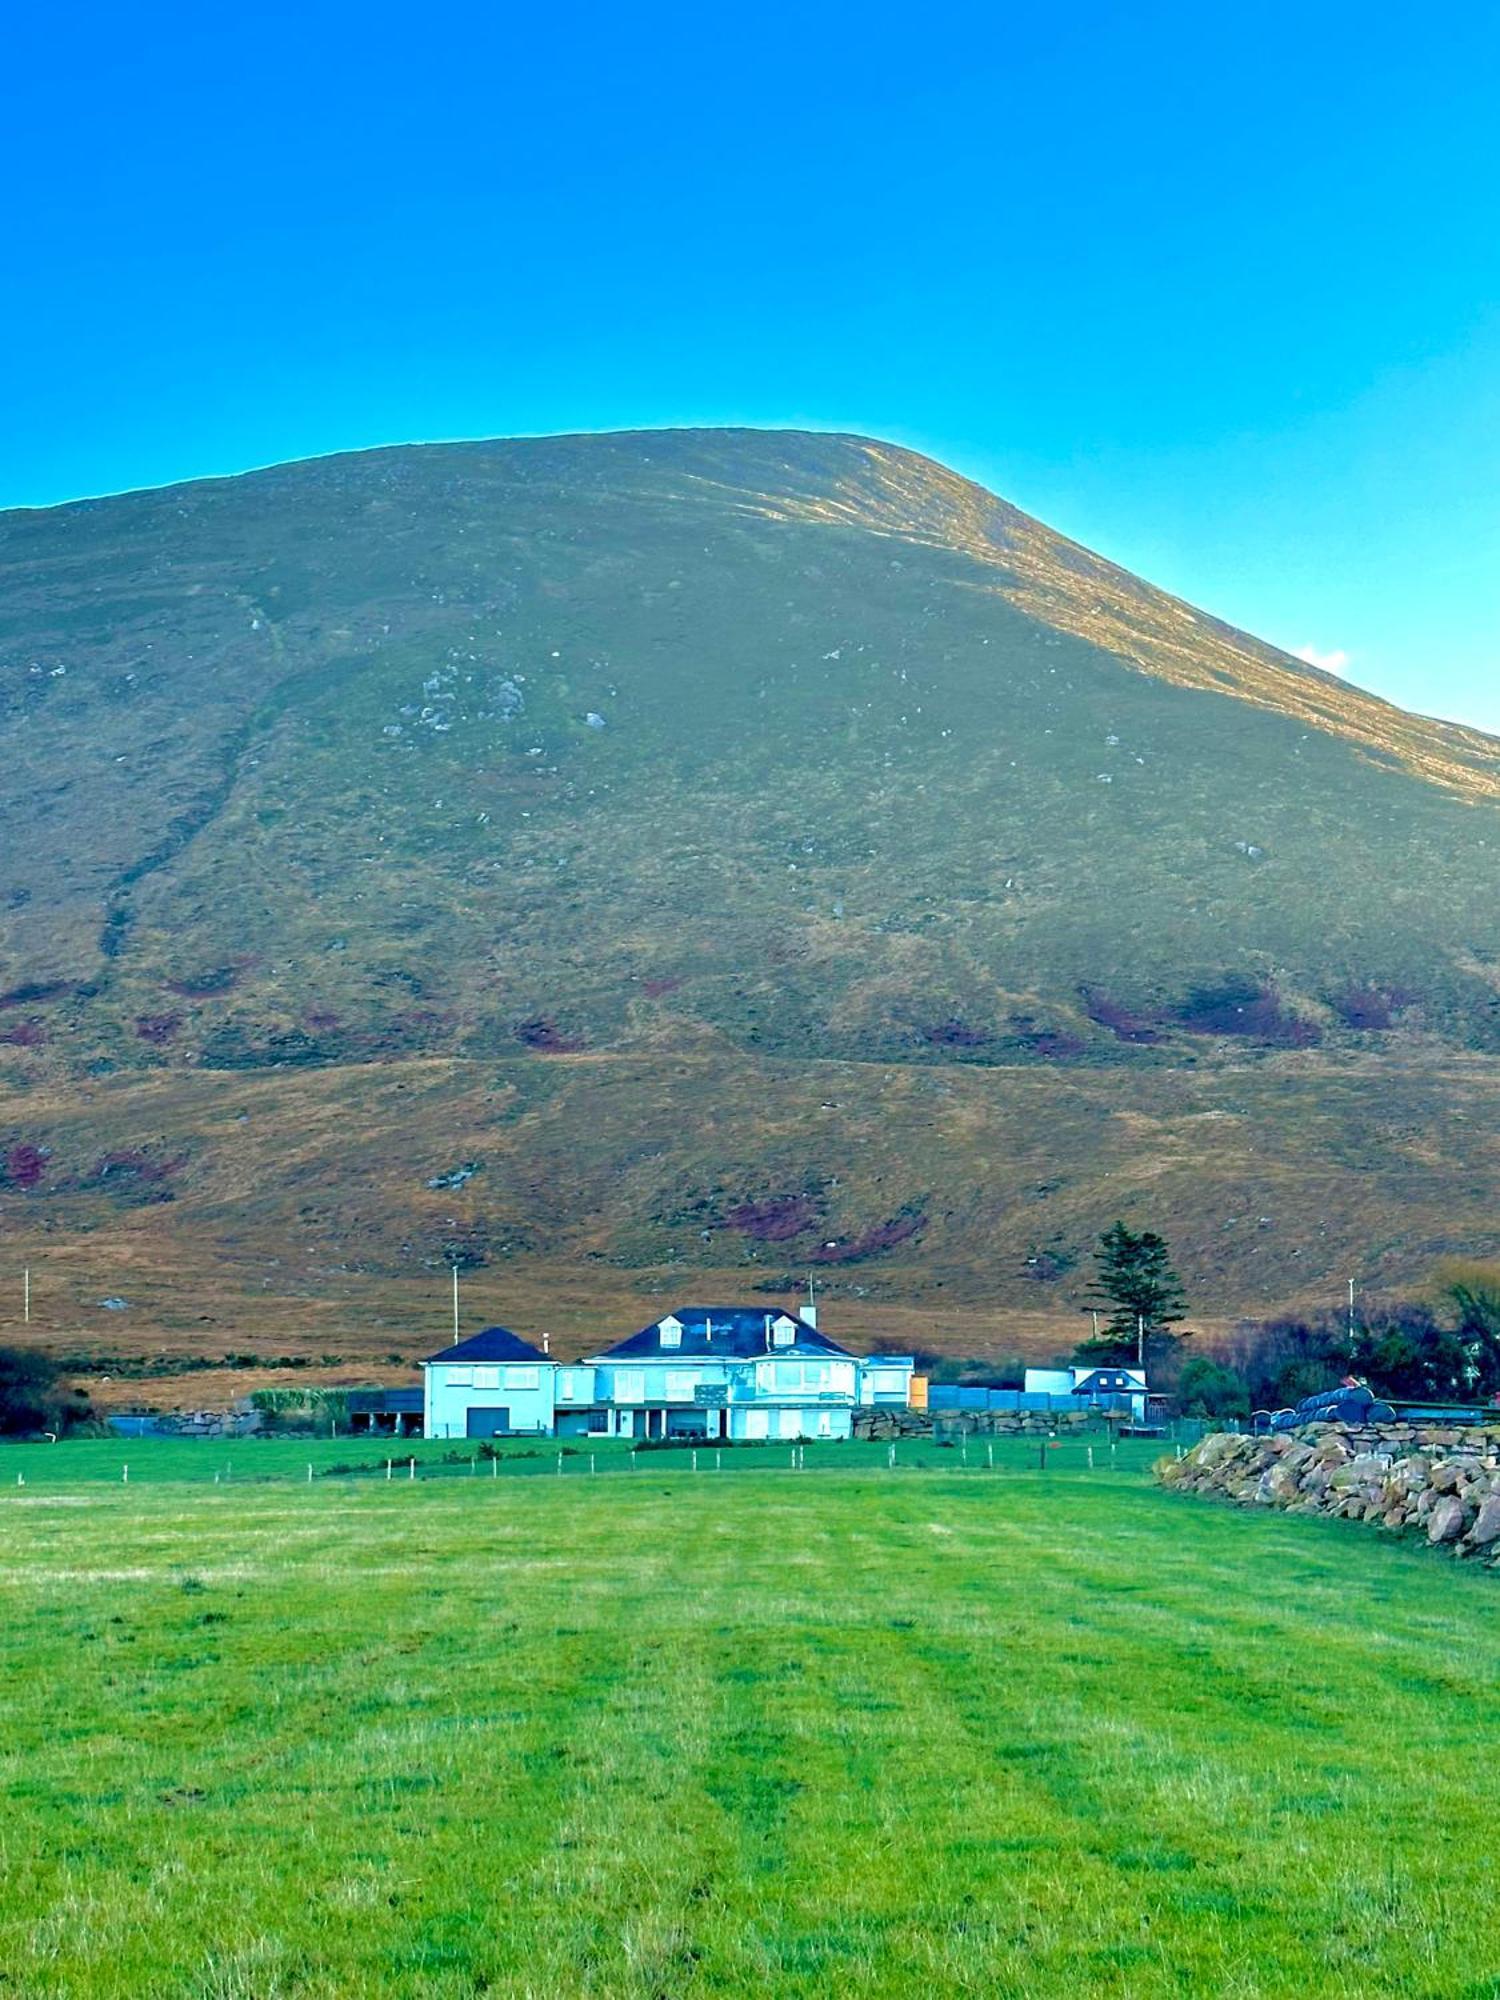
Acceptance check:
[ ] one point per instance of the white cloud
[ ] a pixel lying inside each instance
(1332, 663)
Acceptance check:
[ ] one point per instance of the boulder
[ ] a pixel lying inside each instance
(1281, 1482)
(1216, 1446)
(1445, 1523)
(1486, 1528)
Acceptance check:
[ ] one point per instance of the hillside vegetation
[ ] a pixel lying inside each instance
(610, 859)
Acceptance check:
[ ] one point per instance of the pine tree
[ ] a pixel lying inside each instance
(1144, 1296)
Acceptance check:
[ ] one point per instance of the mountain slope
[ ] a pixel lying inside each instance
(593, 757)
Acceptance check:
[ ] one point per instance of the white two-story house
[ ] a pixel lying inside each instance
(710, 1372)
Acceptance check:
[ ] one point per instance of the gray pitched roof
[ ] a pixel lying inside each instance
(729, 1332)
(496, 1343)
(1110, 1381)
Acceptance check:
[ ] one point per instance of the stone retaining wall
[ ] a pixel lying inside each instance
(1407, 1479)
(893, 1423)
(202, 1423)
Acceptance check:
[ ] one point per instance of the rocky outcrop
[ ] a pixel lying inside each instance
(1442, 1484)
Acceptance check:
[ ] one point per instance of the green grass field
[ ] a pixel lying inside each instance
(842, 1732)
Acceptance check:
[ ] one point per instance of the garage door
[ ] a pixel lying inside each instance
(488, 1423)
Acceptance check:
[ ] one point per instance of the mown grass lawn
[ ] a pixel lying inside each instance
(848, 1732)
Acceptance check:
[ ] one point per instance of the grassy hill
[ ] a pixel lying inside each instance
(620, 861)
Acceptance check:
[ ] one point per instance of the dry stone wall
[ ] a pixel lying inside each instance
(898, 1423)
(1441, 1484)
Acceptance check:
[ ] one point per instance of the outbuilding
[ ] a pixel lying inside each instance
(492, 1385)
(1113, 1387)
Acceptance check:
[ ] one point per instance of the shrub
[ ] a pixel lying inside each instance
(776, 1219)
(1208, 1388)
(1121, 1023)
(1401, 1349)
(34, 1398)
(23, 1166)
(1242, 1007)
(977, 1370)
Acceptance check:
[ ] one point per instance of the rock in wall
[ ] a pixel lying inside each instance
(1442, 1484)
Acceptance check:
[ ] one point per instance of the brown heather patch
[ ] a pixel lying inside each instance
(25, 1035)
(544, 1035)
(33, 993)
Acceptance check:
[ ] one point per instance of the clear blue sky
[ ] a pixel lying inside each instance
(1215, 290)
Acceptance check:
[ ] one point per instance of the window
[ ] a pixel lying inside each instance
(523, 1378)
(670, 1330)
(630, 1385)
(801, 1375)
(680, 1385)
(460, 1378)
(791, 1423)
(572, 1385)
(783, 1332)
(486, 1378)
(757, 1423)
(841, 1377)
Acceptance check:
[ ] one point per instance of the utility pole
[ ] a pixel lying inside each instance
(455, 1305)
(1351, 1315)
(26, 1295)
(1140, 1340)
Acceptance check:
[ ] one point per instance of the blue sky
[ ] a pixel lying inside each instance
(1216, 291)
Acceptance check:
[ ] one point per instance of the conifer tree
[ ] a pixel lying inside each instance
(1135, 1281)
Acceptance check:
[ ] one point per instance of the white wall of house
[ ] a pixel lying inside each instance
(885, 1379)
(489, 1399)
(768, 1397)
(1049, 1381)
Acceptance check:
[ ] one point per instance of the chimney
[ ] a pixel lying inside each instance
(810, 1310)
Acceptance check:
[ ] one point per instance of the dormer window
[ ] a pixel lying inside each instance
(670, 1331)
(783, 1331)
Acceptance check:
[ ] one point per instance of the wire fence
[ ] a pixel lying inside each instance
(238, 1462)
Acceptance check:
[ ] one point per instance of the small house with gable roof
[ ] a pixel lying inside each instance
(489, 1386)
(1110, 1388)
